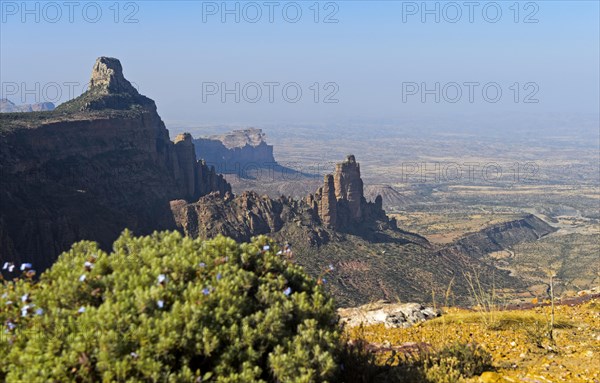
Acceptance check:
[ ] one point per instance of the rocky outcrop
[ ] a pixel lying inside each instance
(325, 202)
(319, 214)
(349, 186)
(340, 202)
(236, 151)
(6, 106)
(98, 164)
(391, 315)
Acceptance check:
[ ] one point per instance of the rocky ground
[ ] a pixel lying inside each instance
(518, 340)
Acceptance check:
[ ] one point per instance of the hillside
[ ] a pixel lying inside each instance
(373, 258)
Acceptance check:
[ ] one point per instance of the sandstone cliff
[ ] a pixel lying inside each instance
(234, 151)
(96, 165)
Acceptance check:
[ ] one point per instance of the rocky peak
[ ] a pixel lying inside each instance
(107, 75)
(108, 89)
(349, 185)
(340, 202)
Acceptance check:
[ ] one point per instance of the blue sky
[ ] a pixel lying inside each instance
(370, 60)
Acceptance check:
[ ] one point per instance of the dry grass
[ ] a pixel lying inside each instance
(517, 340)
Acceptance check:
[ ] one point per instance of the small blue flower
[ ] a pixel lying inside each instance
(81, 310)
(39, 312)
(160, 304)
(219, 276)
(11, 326)
(266, 247)
(26, 266)
(25, 298)
(324, 280)
(206, 291)
(287, 291)
(202, 264)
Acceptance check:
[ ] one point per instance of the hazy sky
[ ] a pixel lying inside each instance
(367, 59)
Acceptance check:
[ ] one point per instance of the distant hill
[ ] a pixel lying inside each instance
(7, 106)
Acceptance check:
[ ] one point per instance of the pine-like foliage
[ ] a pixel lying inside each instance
(164, 308)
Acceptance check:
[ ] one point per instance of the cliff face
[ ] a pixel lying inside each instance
(96, 165)
(231, 152)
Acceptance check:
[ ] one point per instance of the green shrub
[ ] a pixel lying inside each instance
(225, 312)
(455, 362)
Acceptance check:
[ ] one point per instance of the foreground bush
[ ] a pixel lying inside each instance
(163, 308)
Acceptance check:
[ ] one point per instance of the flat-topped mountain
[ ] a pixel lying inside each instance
(235, 151)
(241, 137)
(96, 165)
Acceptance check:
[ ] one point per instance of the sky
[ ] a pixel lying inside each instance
(248, 63)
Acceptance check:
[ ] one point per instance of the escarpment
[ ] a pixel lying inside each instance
(500, 236)
(96, 165)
